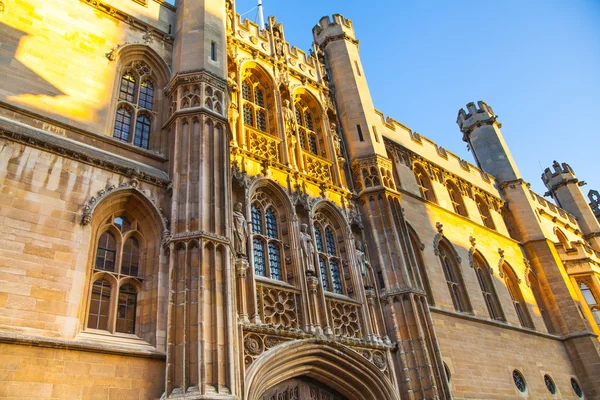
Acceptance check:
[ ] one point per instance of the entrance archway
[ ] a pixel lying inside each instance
(301, 388)
(328, 366)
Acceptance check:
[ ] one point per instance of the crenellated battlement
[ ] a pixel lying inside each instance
(560, 173)
(328, 29)
(474, 116)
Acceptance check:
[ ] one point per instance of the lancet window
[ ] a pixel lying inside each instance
(307, 129)
(591, 299)
(512, 285)
(562, 238)
(330, 262)
(424, 183)
(424, 282)
(267, 245)
(135, 105)
(117, 274)
(255, 104)
(453, 277)
(456, 198)
(484, 211)
(487, 287)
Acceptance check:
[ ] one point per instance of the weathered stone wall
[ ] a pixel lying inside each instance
(481, 358)
(54, 373)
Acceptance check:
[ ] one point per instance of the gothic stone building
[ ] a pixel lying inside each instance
(190, 208)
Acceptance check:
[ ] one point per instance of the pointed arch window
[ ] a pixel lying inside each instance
(484, 211)
(453, 277)
(486, 285)
(512, 285)
(255, 105)
(456, 198)
(424, 183)
(309, 137)
(117, 270)
(591, 300)
(134, 118)
(266, 243)
(562, 238)
(329, 259)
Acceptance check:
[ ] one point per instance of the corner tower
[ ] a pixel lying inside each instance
(200, 327)
(564, 187)
(481, 130)
(419, 368)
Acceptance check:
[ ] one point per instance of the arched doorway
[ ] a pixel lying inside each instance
(301, 388)
(332, 370)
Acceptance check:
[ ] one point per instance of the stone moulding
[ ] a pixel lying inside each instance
(78, 345)
(80, 152)
(133, 185)
(128, 19)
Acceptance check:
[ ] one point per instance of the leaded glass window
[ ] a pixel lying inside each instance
(255, 105)
(424, 183)
(274, 261)
(130, 263)
(256, 220)
(324, 274)
(246, 91)
(127, 90)
(259, 257)
(517, 297)
(119, 256)
(271, 224)
(99, 305)
(519, 381)
(136, 96)
(487, 287)
(453, 277)
(106, 253)
(335, 276)
(146, 95)
(122, 124)
(266, 244)
(550, 384)
(142, 132)
(312, 143)
(591, 301)
(308, 120)
(329, 238)
(126, 309)
(319, 239)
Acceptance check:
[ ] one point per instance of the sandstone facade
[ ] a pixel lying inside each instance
(191, 208)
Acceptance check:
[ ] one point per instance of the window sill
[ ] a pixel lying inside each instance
(105, 338)
(274, 282)
(81, 343)
(342, 297)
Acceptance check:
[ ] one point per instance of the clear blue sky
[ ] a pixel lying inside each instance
(536, 62)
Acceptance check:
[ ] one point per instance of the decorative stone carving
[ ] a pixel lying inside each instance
(472, 251)
(346, 319)
(279, 307)
(527, 272)
(240, 234)
(361, 258)
(289, 118)
(500, 263)
(308, 249)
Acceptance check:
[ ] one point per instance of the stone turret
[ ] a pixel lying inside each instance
(336, 37)
(564, 187)
(481, 131)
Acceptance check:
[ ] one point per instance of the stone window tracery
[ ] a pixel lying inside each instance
(266, 242)
(330, 263)
(134, 117)
(117, 273)
(255, 108)
(456, 198)
(484, 211)
(516, 296)
(486, 284)
(307, 134)
(453, 277)
(590, 299)
(424, 183)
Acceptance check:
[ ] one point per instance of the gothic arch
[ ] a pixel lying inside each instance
(333, 364)
(251, 64)
(266, 183)
(132, 51)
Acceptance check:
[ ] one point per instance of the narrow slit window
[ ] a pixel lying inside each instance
(357, 68)
(360, 135)
(213, 51)
(375, 134)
